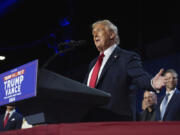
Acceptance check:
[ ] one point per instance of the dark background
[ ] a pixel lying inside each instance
(32, 29)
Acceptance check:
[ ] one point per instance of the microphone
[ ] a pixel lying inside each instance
(65, 47)
(72, 44)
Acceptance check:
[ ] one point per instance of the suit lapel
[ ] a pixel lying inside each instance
(158, 116)
(113, 57)
(171, 102)
(10, 120)
(2, 120)
(89, 70)
(92, 64)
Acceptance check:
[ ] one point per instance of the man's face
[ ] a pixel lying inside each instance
(171, 79)
(102, 37)
(149, 99)
(10, 107)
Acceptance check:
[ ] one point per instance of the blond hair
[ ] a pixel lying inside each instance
(110, 26)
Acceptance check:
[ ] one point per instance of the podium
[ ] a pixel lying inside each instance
(60, 100)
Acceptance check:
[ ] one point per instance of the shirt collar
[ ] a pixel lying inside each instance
(11, 112)
(171, 92)
(109, 50)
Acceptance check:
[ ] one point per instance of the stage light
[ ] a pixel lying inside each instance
(64, 22)
(6, 6)
(2, 57)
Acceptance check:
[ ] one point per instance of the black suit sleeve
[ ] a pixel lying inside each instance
(139, 76)
(19, 121)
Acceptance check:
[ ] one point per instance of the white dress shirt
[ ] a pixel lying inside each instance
(11, 112)
(169, 97)
(107, 54)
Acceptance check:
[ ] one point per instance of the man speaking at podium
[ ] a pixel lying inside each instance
(114, 71)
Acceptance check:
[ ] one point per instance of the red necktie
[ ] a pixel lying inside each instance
(6, 119)
(95, 72)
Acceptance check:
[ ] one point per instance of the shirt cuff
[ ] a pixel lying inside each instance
(157, 91)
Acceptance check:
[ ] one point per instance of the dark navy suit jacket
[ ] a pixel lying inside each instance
(173, 108)
(148, 116)
(122, 70)
(14, 122)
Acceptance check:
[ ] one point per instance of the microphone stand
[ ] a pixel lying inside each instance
(54, 56)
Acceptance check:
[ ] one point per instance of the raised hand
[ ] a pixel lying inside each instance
(158, 81)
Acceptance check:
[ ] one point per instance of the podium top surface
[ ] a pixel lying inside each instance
(54, 86)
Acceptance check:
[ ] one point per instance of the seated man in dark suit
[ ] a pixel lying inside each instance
(11, 119)
(114, 71)
(149, 106)
(169, 105)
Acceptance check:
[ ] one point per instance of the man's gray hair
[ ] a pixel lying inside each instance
(110, 26)
(171, 71)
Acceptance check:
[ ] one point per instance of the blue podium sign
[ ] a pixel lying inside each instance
(19, 83)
